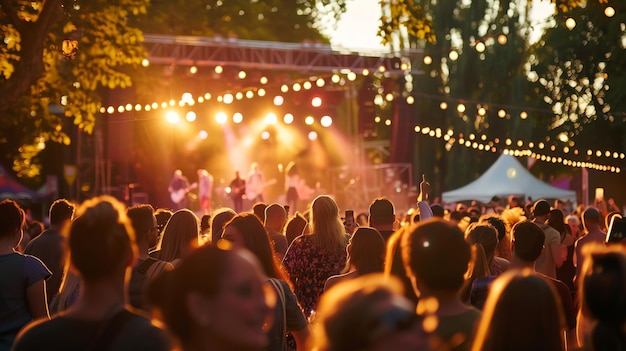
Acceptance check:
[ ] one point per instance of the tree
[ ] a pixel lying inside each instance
(60, 53)
(474, 57)
(579, 69)
(270, 20)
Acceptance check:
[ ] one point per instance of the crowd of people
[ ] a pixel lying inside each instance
(106, 277)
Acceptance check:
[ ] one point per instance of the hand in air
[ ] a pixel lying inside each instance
(424, 189)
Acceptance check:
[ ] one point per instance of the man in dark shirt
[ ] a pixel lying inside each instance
(528, 242)
(102, 249)
(50, 246)
(382, 216)
(147, 268)
(237, 191)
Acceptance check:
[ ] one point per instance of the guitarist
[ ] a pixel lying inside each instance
(179, 183)
(237, 191)
(255, 184)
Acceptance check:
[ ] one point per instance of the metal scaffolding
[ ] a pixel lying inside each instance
(302, 57)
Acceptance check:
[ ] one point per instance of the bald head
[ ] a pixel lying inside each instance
(275, 217)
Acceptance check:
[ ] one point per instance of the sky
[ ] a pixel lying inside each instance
(358, 26)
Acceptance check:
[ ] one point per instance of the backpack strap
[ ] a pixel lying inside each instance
(281, 296)
(145, 265)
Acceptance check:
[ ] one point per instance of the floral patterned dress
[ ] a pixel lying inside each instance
(309, 266)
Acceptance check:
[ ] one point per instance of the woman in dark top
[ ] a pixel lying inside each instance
(567, 271)
(245, 230)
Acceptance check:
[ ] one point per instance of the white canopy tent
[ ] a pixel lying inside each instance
(507, 177)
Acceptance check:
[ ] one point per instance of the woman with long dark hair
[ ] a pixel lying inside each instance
(246, 231)
(366, 255)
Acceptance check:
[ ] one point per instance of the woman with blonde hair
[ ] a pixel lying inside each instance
(181, 234)
(522, 313)
(313, 258)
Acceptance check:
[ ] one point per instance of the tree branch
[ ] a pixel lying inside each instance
(14, 19)
(30, 67)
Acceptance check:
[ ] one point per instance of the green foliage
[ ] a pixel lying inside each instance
(271, 20)
(106, 45)
(581, 73)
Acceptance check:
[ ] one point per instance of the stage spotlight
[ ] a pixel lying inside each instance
(237, 117)
(271, 118)
(265, 135)
(172, 117)
(221, 117)
(309, 120)
(203, 134)
(312, 135)
(278, 100)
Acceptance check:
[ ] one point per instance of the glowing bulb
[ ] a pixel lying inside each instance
(261, 92)
(203, 134)
(326, 121)
(190, 116)
(307, 85)
(145, 62)
(480, 46)
(193, 69)
(335, 78)
(502, 39)
(309, 120)
(219, 69)
(228, 98)
(288, 118)
(278, 100)
(501, 113)
(284, 88)
(454, 55)
(460, 108)
(271, 118)
(221, 117)
(523, 115)
(237, 117)
(320, 82)
(312, 135)
(263, 80)
(172, 117)
(410, 100)
(351, 76)
(241, 74)
(443, 105)
(609, 11)
(365, 72)
(570, 23)
(265, 135)
(316, 102)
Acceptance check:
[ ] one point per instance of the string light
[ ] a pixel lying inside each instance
(450, 141)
